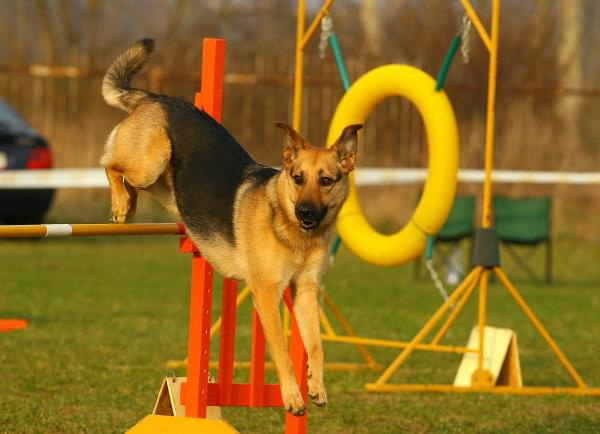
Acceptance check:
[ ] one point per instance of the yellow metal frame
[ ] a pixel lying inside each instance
(302, 38)
(481, 380)
(330, 335)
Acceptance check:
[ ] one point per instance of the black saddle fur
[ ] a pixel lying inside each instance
(209, 166)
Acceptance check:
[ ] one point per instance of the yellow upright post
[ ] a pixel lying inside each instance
(486, 220)
(302, 39)
(299, 68)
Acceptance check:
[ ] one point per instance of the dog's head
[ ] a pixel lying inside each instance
(314, 181)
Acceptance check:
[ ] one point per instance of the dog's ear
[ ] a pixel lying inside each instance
(345, 147)
(292, 143)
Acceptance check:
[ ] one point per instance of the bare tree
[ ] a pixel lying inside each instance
(570, 72)
(18, 34)
(48, 36)
(92, 17)
(71, 32)
(371, 26)
(170, 34)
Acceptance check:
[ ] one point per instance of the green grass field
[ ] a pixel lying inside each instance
(106, 314)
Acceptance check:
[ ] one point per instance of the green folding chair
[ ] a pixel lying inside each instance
(459, 224)
(524, 222)
(458, 227)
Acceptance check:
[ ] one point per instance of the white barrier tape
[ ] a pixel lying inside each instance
(53, 178)
(530, 177)
(381, 176)
(59, 230)
(370, 176)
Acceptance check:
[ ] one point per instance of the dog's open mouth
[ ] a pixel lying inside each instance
(309, 225)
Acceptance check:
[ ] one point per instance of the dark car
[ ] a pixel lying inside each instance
(21, 147)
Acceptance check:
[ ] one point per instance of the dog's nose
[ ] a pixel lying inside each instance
(306, 212)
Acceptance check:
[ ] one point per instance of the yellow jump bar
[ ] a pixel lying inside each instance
(67, 230)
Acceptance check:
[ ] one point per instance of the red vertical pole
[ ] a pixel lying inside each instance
(257, 362)
(210, 97)
(227, 340)
(194, 393)
(296, 424)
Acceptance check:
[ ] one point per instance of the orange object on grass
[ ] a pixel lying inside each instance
(7, 325)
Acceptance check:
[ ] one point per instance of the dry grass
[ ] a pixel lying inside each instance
(107, 313)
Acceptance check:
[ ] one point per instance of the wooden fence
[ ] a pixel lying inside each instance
(65, 105)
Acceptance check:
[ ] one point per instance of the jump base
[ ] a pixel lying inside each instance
(447, 388)
(172, 424)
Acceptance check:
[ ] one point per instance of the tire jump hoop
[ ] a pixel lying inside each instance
(439, 189)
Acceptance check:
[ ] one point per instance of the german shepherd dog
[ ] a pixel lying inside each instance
(270, 228)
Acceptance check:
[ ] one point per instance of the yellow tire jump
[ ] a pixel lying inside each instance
(440, 186)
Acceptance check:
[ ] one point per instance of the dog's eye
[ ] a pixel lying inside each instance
(325, 181)
(298, 179)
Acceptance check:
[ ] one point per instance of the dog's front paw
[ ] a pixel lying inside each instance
(118, 218)
(292, 399)
(316, 392)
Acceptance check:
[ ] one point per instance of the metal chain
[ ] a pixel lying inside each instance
(465, 37)
(436, 279)
(326, 31)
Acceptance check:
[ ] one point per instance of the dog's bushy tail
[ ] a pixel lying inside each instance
(116, 85)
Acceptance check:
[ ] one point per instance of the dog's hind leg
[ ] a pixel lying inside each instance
(266, 300)
(119, 195)
(162, 190)
(133, 196)
(306, 308)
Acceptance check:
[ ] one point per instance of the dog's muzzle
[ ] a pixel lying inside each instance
(309, 216)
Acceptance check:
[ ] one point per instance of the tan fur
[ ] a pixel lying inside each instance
(287, 254)
(139, 151)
